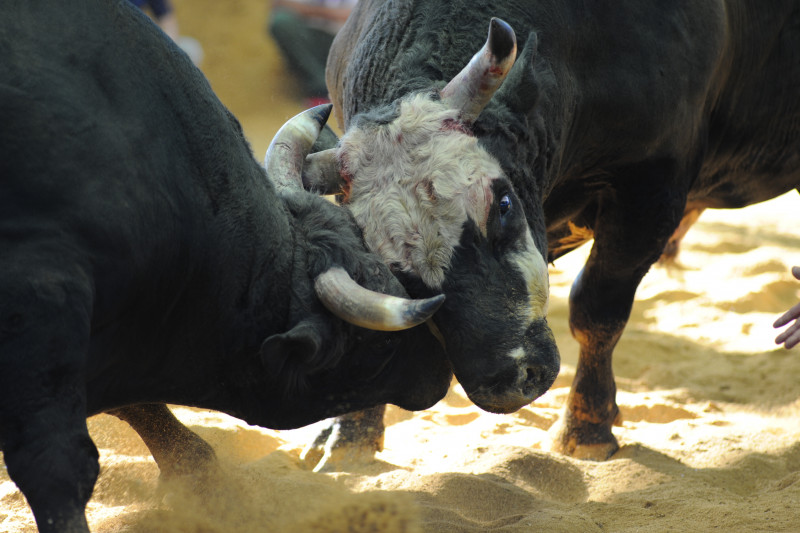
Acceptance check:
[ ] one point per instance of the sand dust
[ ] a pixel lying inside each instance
(710, 441)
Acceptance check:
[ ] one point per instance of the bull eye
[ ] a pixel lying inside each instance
(505, 205)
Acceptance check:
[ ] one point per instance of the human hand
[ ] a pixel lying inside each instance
(791, 335)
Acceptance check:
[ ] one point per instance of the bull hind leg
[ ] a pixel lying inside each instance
(669, 257)
(633, 225)
(351, 438)
(44, 336)
(178, 451)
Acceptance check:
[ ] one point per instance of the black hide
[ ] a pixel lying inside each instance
(146, 258)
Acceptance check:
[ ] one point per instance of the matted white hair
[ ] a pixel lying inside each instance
(419, 178)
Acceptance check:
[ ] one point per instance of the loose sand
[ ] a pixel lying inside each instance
(711, 432)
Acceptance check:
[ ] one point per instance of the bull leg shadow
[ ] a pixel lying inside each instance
(178, 451)
(349, 439)
(669, 257)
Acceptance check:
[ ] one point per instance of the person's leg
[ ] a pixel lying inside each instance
(304, 49)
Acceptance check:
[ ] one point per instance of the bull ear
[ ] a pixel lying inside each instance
(295, 352)
(522, 88)
(321, 173)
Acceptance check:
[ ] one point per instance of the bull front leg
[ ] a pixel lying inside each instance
(53, 461)
(669, 257)
(584, 430)
(635, 220)
(44, 336)
(177, 450)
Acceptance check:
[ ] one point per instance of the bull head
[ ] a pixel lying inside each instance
(335, 288)
(443, 215)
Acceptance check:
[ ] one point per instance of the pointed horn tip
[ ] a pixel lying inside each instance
(320, 113)
(351, 302)
(425, 309)
(502, 39)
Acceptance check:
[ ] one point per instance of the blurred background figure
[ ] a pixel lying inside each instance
(162, 12)
(304, 31)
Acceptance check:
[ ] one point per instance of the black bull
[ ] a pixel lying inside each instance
(618, 121)
(146, 257)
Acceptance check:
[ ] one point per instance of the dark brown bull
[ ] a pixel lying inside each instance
(616, 122)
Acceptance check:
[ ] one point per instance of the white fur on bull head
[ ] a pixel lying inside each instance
(416, 181)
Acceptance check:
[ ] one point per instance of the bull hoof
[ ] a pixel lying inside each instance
(314, 452)
(194, 459)
(586, 452)
(345, 458)
(582, 440)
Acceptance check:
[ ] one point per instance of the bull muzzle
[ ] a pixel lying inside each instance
(526, 373)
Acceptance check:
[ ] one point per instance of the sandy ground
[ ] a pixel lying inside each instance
(711, 431)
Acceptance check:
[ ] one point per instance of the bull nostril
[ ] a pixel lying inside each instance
(533, 379)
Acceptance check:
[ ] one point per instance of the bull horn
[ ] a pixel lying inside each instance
(472, 88)
(287, 152)
(369, 309)
(321, 173)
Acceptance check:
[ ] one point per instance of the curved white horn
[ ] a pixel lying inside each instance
(287, 152)
(369, 309)
(472, 88)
